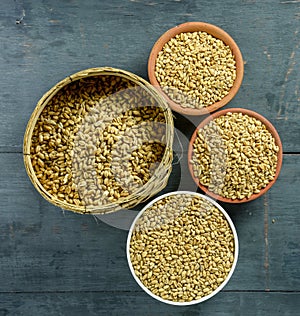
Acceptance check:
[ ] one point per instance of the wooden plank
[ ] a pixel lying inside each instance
(44, 248)
(284, 226)
(51, 41)
(139, 303)
(248, 220)
(60, 263)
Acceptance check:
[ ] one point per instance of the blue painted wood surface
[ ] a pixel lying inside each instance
(59, 263)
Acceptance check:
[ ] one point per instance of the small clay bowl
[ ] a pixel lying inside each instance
(268, 125)
(215, 32)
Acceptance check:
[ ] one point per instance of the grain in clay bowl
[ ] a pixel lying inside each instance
(99, 141)
(197, 67)
(182, 248)
(235, 155)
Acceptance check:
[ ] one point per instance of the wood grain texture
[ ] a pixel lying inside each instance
(56, 39)
(284, 228)
(138, 303)
(44, 248)
(59, 263)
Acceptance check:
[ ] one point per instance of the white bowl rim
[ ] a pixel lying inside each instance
(236, 249)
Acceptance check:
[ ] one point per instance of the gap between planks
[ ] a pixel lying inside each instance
(266, 236)
(139, 291)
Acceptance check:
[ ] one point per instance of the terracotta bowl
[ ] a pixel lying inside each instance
(269, 126)
(215, 32)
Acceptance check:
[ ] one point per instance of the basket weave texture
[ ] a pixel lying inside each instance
(158, 179)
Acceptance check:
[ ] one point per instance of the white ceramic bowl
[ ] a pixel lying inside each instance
(220, 287)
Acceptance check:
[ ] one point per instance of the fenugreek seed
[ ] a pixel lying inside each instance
(194, 71)
(187, 279)
(40, 162)
(62, 145)
(230, 162)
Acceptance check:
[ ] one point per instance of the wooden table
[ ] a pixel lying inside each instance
(59, 263)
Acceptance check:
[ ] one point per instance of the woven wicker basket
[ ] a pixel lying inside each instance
(158, 179)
